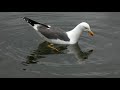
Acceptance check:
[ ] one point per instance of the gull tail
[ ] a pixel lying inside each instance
(33, 23)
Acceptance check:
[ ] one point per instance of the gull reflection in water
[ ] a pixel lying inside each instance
(44, 50)
(78, 53)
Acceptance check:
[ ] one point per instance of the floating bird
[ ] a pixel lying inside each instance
(55, 35)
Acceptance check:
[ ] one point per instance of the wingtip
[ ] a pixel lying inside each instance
(24, 18)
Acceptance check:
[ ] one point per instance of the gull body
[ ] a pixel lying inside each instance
(56, 35)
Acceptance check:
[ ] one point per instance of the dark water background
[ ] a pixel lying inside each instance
(18, 41)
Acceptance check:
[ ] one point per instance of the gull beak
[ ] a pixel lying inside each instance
(90, 33)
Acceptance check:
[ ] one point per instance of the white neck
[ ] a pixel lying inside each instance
(74, 34)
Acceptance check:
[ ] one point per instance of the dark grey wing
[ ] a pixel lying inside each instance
(48, 31)
(53, 33)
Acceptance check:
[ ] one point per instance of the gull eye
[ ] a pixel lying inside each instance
(86, 28)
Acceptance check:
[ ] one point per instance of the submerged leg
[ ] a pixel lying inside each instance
(52, 47)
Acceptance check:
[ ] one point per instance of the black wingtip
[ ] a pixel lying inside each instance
(32, 22)
(24, 18)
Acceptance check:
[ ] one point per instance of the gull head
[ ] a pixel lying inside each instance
(86, 27)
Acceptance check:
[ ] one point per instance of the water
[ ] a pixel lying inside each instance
(23, 54)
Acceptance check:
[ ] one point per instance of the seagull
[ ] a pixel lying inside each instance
(55, 35)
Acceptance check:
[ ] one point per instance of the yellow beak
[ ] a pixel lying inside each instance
(90, 33)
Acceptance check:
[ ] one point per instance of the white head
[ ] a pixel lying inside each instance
(85, 27)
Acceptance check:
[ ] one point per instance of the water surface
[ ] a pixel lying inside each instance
(24, 54)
